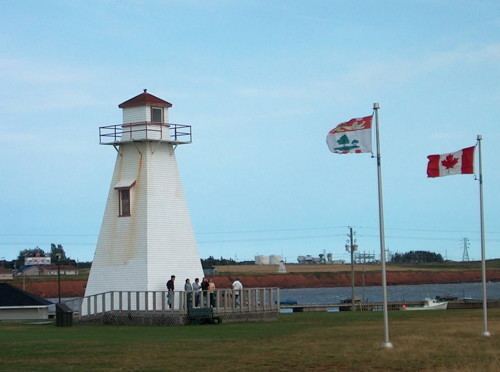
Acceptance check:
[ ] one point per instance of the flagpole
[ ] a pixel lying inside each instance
(387, 344)
(486, 333)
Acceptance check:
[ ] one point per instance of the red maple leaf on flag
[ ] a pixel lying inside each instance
(449, 162)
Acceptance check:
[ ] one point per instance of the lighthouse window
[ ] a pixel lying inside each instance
(124, 206)
(156, 114)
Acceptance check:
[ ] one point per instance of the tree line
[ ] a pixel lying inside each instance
(415, 257)
(210, 262)
(57, 252)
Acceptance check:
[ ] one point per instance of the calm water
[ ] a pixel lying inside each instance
(394, 292)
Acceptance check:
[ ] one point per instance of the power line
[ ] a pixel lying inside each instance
(419, 238)
(253, 231)
(43, 243)
(61, 236)
(427, 230)
(55, 234)
(290, 238)
(270, 230)
(269, 239)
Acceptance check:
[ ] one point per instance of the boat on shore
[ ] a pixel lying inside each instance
(429, 304)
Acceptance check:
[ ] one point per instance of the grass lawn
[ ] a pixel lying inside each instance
(441, 340)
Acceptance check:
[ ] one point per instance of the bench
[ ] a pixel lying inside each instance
(202, 315)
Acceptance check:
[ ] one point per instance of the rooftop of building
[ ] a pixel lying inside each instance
(144, 99)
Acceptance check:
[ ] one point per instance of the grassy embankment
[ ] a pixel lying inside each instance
(447, 340)
(320, 268)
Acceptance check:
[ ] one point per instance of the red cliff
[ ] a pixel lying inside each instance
(76, 288)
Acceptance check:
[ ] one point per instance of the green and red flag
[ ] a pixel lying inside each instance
(353, 136)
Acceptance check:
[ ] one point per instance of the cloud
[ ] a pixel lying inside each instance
(17, 137)
(43, 85)
(40, 72)
(401, 70)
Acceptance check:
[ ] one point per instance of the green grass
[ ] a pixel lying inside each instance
(452, 265)
(447, 340)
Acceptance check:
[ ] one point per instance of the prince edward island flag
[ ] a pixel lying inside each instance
(353, 136)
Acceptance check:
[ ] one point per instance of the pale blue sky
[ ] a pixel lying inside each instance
(261, 83)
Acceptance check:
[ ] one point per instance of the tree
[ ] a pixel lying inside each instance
(343, 140)
(39, 252)
(57, 250)
(34, 252)
(416, 257)
(210, 262)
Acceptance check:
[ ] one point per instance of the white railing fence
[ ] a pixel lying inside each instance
(221, 300)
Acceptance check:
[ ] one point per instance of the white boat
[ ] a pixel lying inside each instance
(429, 304)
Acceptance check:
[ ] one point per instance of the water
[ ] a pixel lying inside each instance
(74, 303)
(394, 293)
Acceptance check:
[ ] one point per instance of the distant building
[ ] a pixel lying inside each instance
(274, 259)
(321, 259)
(48, 270)
(65, 270)
(308, 259)
(267, 260)
(29, 261)
(5, 274)
(29, 271)
(262, 260)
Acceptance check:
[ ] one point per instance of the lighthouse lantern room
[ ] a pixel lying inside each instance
(146, 233)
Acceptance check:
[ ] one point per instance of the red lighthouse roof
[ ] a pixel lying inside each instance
(144, 99)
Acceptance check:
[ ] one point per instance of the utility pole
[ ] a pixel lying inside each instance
(58, 256)
(351, 247)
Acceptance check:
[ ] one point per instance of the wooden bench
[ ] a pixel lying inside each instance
(202, 315)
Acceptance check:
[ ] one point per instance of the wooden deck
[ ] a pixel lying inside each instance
(164, 308)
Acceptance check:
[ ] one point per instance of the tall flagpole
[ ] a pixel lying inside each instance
(387, 344)
(483, 248)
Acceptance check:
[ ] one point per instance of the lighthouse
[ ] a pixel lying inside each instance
(146, 233)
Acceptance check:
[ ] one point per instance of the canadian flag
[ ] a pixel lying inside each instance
(460, 162)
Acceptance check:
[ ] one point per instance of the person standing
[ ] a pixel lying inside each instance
(237, 288)
(204, 288)
(188, 288)
(211, 291)
(196, 290)
(171, 291)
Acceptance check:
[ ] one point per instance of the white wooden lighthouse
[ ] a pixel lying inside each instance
(146, 233)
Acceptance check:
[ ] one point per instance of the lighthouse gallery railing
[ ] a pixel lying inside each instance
(145, 131)
(222, 301)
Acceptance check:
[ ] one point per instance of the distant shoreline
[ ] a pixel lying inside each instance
(47, 287)
(343, 279)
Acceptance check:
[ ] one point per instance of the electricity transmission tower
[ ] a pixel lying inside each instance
(465, 254)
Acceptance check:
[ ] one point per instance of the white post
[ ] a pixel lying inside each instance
(387, 344)
(486, 333)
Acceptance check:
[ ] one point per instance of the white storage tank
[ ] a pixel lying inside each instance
(259, 260)
(267, 260)
(274, 259)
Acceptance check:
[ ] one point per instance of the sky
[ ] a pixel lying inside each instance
(261, 83)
